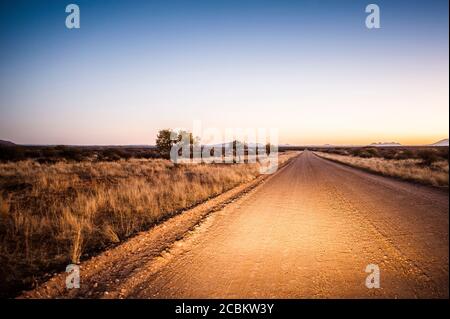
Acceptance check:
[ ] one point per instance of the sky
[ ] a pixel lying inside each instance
(311, 69)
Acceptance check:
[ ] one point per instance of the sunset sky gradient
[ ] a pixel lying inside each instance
(309, 68)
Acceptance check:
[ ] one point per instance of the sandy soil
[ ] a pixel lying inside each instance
(306, 232)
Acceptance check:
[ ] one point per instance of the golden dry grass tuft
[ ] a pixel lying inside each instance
(54, 214)
(435, 174)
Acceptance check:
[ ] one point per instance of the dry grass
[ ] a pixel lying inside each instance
(53, 214)
(435, 174)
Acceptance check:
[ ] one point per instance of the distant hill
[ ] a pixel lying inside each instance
(6, 143)
(230, 145)
(385, 144)
(443, 142)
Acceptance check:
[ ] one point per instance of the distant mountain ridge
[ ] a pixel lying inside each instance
(443, 142)
(6, 143)
(381, 144)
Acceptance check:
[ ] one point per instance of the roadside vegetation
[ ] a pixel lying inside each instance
(59, 208)
(53, 154)
(425, 165)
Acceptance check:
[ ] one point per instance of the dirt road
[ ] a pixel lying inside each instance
(309, 231)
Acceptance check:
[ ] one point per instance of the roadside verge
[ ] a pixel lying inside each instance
(99, 273)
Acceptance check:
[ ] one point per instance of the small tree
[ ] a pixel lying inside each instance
(164, 143)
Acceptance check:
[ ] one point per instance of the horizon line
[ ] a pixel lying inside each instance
(385, 144)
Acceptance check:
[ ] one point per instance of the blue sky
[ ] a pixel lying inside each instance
(309, 68)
